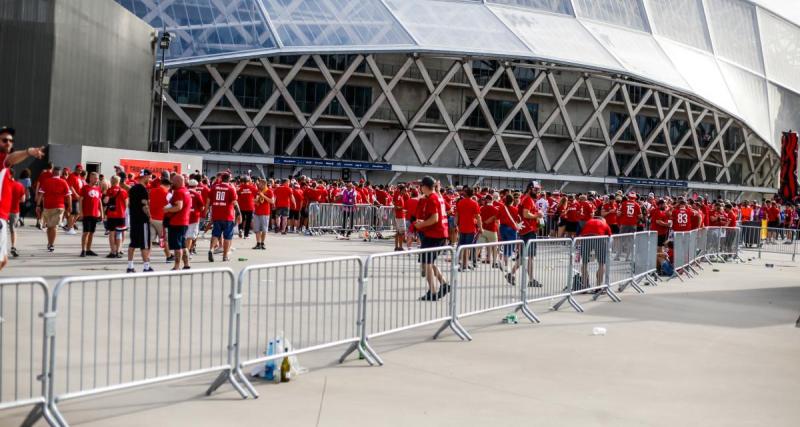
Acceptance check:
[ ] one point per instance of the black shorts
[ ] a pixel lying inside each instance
(598, 247)
(614, 228)
(176, 236)
(114, 223)
(525, 238)
(773, 224)
(90, 224)
(294, 214)
(662, 239)
(427, 242)
(75, 204)
(140, 235)
(572, 226)
(304, 213)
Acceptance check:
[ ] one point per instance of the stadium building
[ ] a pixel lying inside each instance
(655, 95)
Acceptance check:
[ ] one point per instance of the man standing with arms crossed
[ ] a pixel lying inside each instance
(139, 214)
(223, 204)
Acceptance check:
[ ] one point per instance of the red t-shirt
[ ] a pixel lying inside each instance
(659, 215)
(530, 225)
(197, 207)
(628, 213)
(399, 205)
(17, 192)
(299, 199)
(75, 183)
(587, 210)
(263, 207)
(611, 216)
(91, 201)
(115, 208)
(773, 213)
(596, 227)
(411, 207)
(222, 197)
(55, 190)
(488, 211)
(283, 196)
(508, 216)
(158, 199)
(573, 212)
(731, 218)
(6, 190)
(182, 216)
(247, 195)
(682, 219)
(466, 209)
(434, 204)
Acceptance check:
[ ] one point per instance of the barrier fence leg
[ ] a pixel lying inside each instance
(570, 283)
(363, 347)
(229, 375)
(607, 275)
(523, 306)
(453, 322)
(38, 412)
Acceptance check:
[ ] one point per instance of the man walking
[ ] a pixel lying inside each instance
(116, 202)
(139, 214)
(432, 224)
(56, 199)
(90, 212)
(223, 204)
(263, 202)
(177, 214)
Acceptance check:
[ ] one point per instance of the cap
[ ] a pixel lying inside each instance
(532, 184)
(78, 167)
(144, 172)
(427, 181)
(9, 130)
(193, 183)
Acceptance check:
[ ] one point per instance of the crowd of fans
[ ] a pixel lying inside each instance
(171, 210)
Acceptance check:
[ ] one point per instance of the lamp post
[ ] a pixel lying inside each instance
(163, 82)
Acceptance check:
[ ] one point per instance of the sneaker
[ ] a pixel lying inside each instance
(14, 252)
(226, 259)
(429, 297)
(444, 290)
(83, 254)
(38, 226)
(534, 284)
(148, 270)
(210, 256)
(257, 246)
(187, 267)
(130, 270)
(72, 232)
(119, 255)
(170, 258)
(91, 253)
(51, 248)
(263, 248)
(511, 279)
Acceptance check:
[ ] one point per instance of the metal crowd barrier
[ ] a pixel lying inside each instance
(120, 331)
(24, 326)
(681, 250)
(338, 218)
(300, 306)
(645, 253)
(784, 241)
(591, 265)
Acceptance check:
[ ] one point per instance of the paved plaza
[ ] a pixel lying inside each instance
(720, 349)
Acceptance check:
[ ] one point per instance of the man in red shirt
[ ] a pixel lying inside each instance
(490, 223)
(224, 205)
(264, 200)
(76, 182)
(91, 201)
(432, 224)
(468, 220)
(7, 157)
(116, 202)
(283, 201)
(158, 199)
(609, 211)
(596, 226)
(628, 214)
(178, 213)
(56, 198)
(399, 202)
(530, 224)
(18, 196)
(197, 212)
(682, 217)
(660, 222)
(247, 196)
(572, 215)
(296, 212)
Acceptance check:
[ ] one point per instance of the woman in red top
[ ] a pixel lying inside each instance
(509, 223)
(432, 224)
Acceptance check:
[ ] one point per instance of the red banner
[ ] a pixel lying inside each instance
(788, 181)
(135, 165)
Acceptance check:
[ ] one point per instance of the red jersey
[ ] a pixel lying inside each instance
(55, 190)
(17, 192)
(411, 208)
(659, 215)
(611, 216)
(182, 216)
(75, 183)
(434, 204)
(299, 199)
(6, 190)
(596, 227)
(488, 211)
(262, 206)
(197, 207)
(222, 197)
(773, 213)
(466, 209)
(399, 206)
(283, 196)
(247, 194)
(115, 207)
(573, 213)
(530, 225)
(91, 200)
(587, 210)
(628, 213)
(509, 216)
(158, 199)
(682, 219)
(732, 216)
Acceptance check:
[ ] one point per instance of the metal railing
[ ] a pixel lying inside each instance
(348, 219)
(99, 334)
(770, 240)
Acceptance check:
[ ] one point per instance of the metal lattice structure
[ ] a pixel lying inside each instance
(728, 64)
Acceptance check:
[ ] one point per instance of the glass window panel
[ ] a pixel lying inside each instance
(202, 28)
(335, 23)
(449, 25)
(556, 6)
(626, 13)
(701, 72)
(680, 20)
(750, 94)
(735, 32)
(639, 53)
(781, 43)
(556, 37)
(784, 108)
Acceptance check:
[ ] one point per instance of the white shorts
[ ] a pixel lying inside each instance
(400, 224)
(193, 231)
(4, 240)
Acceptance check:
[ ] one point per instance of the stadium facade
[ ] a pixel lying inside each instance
(580, 94)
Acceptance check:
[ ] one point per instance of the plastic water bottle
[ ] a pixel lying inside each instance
(598, 331)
